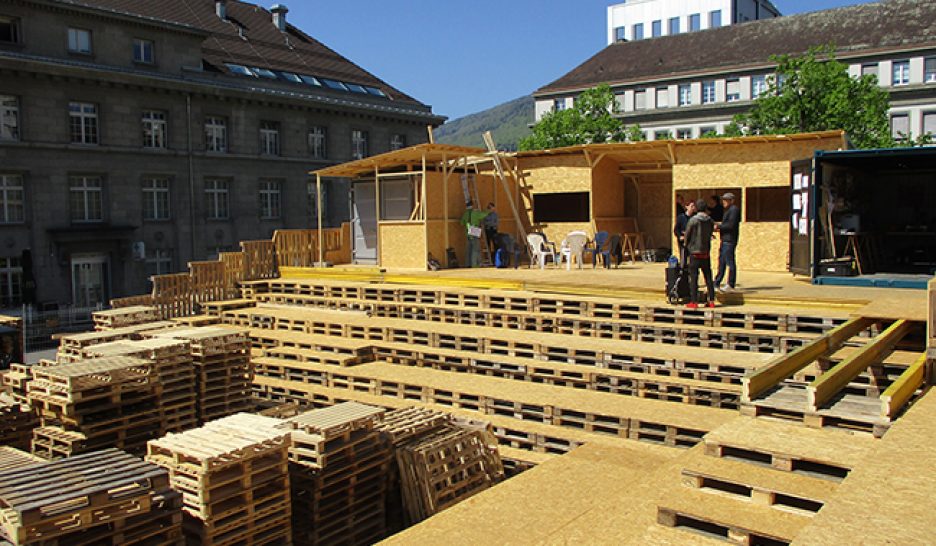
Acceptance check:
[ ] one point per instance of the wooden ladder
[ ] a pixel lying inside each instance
(470, 187)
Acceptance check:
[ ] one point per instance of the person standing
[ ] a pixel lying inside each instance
(728, 230)
(715, 209)
(699, 245)
(680, 205)
(679, 230)
(490, 228)
(472, 220)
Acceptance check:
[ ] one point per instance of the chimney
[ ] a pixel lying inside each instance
(279, 16)
(221, 9)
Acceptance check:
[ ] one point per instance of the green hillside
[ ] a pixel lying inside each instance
(508, 123)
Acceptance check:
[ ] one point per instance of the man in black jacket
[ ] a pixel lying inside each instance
(728, 229)
(679, 230)
(698, 244)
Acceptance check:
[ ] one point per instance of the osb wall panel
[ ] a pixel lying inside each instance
(456, 240)
(655, 209)
(607, 190)
(748, 152)
(556, 232)
(402, 245)
(763, 246)
(556, 174)
(731, 174)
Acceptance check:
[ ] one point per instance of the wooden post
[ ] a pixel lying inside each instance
(318, 213)
(445, 217)
(377, 206)
(425, 214)
(498, 168)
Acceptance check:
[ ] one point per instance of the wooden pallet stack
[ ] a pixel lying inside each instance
(234, 479)
(71, 347)
(17, 421)
(123, 316)
(445, 467)
(339, 464)
(95, 404)
(11, 457)
(102, 498)
(223, 370)
(15, 380)
(172, 361)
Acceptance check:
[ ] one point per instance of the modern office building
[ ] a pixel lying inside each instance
(687, 85)
(640, 19)
(137, 135)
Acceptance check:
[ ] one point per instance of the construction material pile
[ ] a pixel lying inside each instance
(223, 371)
(11, 458)
(102, 498)
(15, 380)
(94, 404)
(172, 361)
(71, 347)
(124, 316)
(234, 479)
(17, 421)
(339, 464)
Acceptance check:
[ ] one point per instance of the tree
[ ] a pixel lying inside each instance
(590, 121)
(814, 92)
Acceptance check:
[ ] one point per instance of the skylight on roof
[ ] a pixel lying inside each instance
(290, 77)
(264, 73)
(374, 91)
(355, 88)
(240, 70)
(334, 84)
(310, 80)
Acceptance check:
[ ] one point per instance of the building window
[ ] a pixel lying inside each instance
(9, 30)
(673, 26)
(216, 195)
(9, 118)
(714, 19)
(733, 90)
(559, 104)
(638, 32)
(929, 70)
(359, 144)
(84, 122)
(901, 73)
(79, 40)
(695, 22)
(158, 262)
(683, 134)
(870, 69)
(619, 34)
(640, 99)
(269, 199)
(397, 142)
(12, 202)
(154, 129)
(900, 126)
(317, 147)
(143, 51)
(708, 92)
(656, 28)
(269, 138)
(156, 199)
(685, 95)
(215, 134)
(11, 281)
(662, 97)
(87, 199)
(758, 86)
(929, 124)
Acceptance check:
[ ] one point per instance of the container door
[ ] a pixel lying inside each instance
(364, 222)
(801, 217)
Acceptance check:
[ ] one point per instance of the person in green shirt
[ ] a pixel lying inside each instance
(472, 220)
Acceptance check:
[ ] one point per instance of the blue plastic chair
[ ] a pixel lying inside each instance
(598, 247)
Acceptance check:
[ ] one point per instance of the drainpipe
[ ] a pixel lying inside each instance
(191, 171)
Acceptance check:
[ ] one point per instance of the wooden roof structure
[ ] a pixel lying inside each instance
(404, 159)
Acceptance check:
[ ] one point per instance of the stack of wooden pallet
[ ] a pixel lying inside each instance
(95, 404)
(15, 380)
(124, 316)
(223, 370)
(11, 458)
(172, 361)
(446, 466)
(102, 498)
(17, 421)
(71, 347)
(234, 479)
(339, 463)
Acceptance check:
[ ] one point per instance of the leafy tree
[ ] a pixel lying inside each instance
(590, 120)
(635, 134)
(814, 92)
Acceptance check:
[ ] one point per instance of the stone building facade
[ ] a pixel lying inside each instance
(136, 136)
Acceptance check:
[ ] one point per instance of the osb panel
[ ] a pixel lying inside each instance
(754, 152)
(731, 174)
(402, 245)
(436, 193)
(552, 174)
(556, 232)
(456, 240)
(607, 190)
(763, 246)
(655, 218)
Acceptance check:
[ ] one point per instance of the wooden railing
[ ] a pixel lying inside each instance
(179, 294)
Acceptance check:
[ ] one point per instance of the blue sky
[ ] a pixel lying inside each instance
(463, 57)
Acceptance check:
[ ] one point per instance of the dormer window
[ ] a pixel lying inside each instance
(9, 30)
(79, 41)
(143, 51)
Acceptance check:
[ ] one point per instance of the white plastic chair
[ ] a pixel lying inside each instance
(574, 247)
(541, 250)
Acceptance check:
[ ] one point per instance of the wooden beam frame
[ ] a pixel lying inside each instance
(900, 391)
(826, 386)
(784, 366)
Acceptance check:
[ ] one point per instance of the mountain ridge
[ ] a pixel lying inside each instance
(508, 122)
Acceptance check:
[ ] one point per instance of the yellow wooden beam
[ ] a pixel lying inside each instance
(786, 365)
(900, 391)
(828, 384)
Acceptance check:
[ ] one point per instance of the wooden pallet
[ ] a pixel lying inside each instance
(12, 458)
(124, 316)
(17, 422)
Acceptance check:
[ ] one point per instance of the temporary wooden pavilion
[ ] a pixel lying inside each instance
(421, 194)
